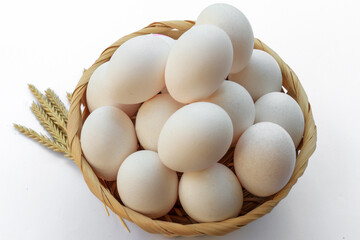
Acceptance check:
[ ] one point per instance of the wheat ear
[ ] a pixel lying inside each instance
(49, 125)
(52, 115)
(51, 111)
(57, 104)
(47, 142)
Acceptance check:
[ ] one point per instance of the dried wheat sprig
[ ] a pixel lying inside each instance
(57, 104)
(51, 111)
(47, 142)
(49, 125)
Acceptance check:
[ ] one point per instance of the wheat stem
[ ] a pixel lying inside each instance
(57, 104)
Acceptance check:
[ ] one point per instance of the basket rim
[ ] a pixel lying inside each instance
(75, 120)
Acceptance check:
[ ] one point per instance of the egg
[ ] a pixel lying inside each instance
(236, 25)
(146, 185)
(198, 63)
(237, 102)
(264, 159)
(282, 109)
(261, 76)
(136, 69)
(97, 94)
(151, 117)
(211, 195)
(167, 39)
(195, 137)
(107, 138)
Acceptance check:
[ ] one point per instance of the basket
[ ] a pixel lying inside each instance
(177, 223)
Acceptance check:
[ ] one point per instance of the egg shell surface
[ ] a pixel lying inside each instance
(195, 137)
(237, 102)
(281, 109)
(198, 63)
(261, 76)
(145, 185)
(264, 159)
(237, 27)
(107, 138)
(167, 39)
(136, 69)
(97, 94)
(213, 194)
(151, 117)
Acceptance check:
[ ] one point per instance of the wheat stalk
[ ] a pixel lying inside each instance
(57, 104)
(52, 115)
(49, 125)
(46, 141)
(50, 109)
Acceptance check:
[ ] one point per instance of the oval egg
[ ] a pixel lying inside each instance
(261, 76)
(145, 185)
(136, 69)
(107, 138)
(152, 116)
(237, 102)
(195, 137)
(237, 27)
(281, 109)
(264, 159)
(97, 93)
(198, 63)
(211, 195)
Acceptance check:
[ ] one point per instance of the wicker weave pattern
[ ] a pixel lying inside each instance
(168, 226)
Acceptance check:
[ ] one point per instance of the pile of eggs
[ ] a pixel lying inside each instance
(162, 106)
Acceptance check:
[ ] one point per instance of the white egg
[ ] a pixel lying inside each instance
(107, 138)
(97, 93)
(237, 102)
(198, 63)
(136, 69)
(281, 109)
(151, 117)
(211, 195)
(195, 137)
(167, 39)
(146, 185)
(261, 76)
(264, 159)
(236, 25)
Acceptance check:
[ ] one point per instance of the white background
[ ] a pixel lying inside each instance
(43, 195)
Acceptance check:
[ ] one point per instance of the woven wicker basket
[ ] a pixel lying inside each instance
(177, 223)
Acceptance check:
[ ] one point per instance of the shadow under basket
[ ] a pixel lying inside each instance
(177, 222)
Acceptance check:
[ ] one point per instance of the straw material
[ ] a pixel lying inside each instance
(177, 223)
